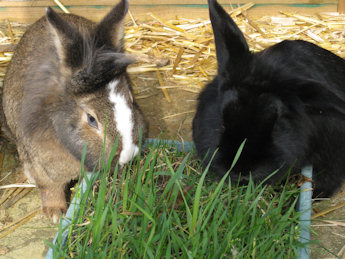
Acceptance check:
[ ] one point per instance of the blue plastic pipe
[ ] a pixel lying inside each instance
(71, 212)
(180, 146)
(304, 206)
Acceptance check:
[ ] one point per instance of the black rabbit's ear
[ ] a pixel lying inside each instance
(109, 32)
(68, 41)
(231, 46)
(318, 98)
(105, 67)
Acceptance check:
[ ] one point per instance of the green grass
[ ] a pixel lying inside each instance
(165, 205)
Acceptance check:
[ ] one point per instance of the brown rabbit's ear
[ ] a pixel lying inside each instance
(68, 41)
(109, 32)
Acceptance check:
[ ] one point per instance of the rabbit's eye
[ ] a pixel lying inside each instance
(92, 121)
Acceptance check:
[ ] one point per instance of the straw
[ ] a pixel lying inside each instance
(13, 226)
(63, 8)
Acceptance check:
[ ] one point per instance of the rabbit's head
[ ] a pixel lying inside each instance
(88, 96)
(246, 110)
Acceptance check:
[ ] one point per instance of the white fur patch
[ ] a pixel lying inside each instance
(124, 123)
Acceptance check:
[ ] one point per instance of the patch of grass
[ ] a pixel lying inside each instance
(164, 205)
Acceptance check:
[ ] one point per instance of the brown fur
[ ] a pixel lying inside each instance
(49, 89)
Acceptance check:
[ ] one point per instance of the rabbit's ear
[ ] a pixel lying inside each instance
(105, 67)
(231, 46)
(68, 41)
(109, 32)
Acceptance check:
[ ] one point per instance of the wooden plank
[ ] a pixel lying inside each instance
(29, 15)
(33, 3)
(341, 6)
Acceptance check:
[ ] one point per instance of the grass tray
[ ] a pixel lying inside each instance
(165, 205)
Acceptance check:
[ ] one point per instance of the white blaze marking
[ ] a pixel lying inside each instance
(124, 123)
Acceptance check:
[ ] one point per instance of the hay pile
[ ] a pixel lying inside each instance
(189, 47)
(10, 33)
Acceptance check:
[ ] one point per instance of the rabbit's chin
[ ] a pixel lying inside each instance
(128, 153)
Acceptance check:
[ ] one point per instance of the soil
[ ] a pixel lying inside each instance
(328, 232)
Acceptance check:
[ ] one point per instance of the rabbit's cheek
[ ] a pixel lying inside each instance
(123, 118)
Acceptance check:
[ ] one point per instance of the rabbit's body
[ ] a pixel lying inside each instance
(66, 86)
(287, 101)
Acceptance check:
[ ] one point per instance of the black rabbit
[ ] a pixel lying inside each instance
(287, 101)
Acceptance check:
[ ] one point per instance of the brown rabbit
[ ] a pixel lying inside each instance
(66, 86)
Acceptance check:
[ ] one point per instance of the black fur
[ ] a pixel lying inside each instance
(287, 101)
(101, 69)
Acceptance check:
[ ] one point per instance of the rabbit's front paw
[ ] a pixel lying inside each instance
(54, 202)
(54, 212)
